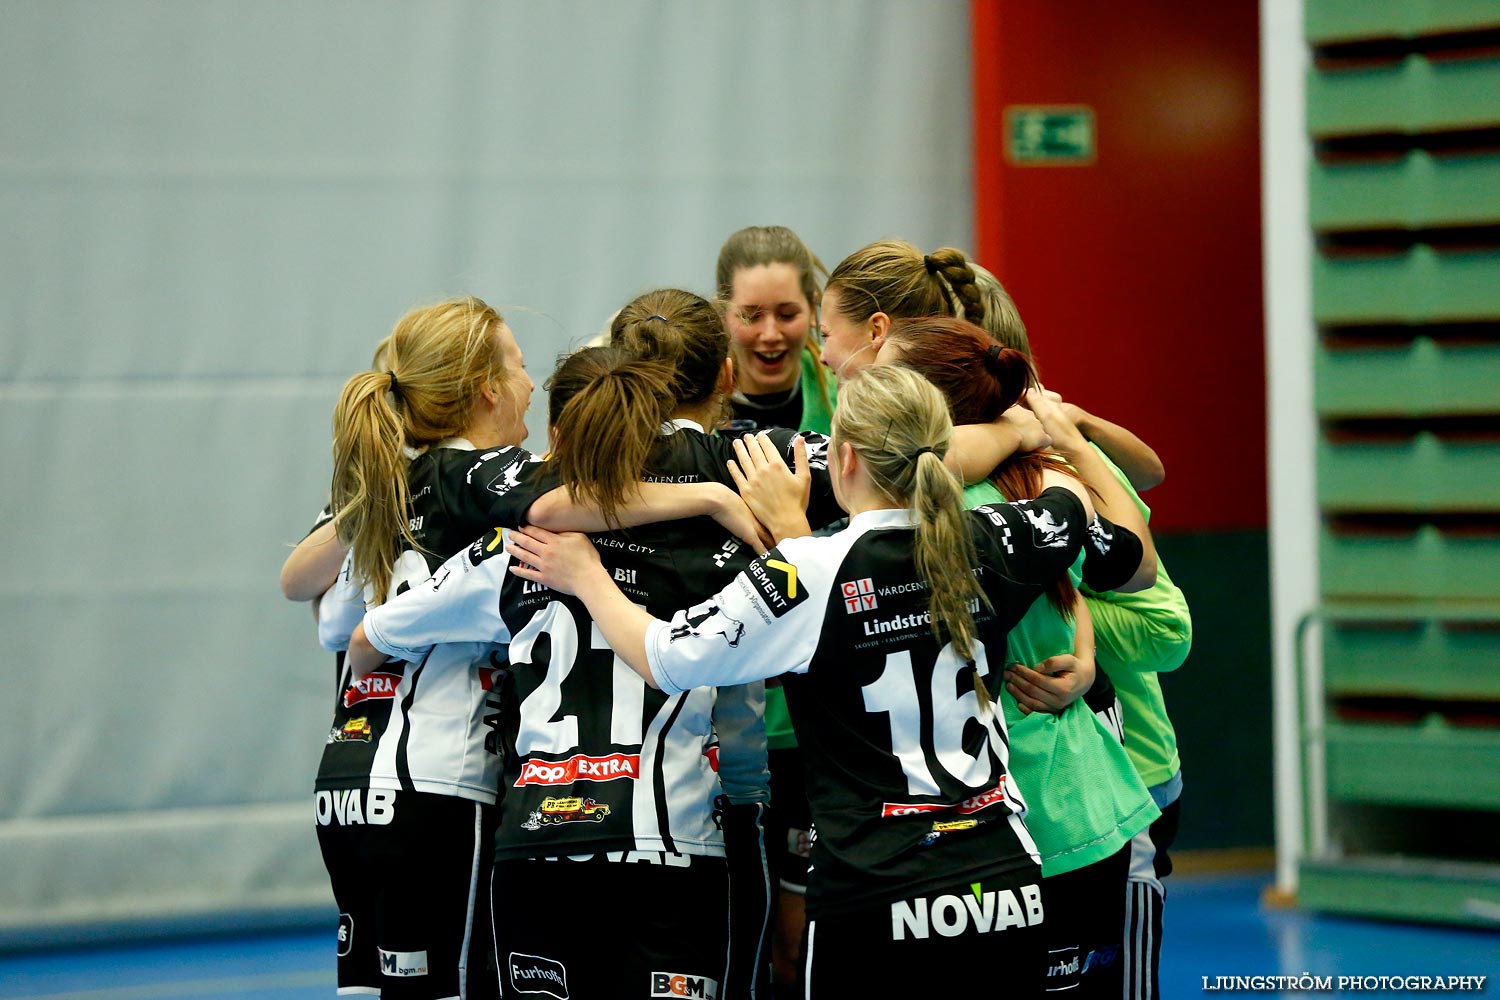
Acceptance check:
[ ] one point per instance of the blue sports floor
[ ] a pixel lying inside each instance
(1216, 926)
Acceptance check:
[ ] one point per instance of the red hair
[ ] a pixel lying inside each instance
(981, 380)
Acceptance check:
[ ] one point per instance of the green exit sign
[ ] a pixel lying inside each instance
(1048, 135)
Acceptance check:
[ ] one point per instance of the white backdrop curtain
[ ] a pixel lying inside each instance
(211, 211)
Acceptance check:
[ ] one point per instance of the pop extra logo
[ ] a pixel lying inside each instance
(580, 768)
(378, 685)
(967, 807)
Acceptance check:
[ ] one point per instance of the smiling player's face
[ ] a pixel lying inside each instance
(848, 344)
(769, 320)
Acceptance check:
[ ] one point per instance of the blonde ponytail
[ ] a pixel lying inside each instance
(437, 361)
(944, 552)
(898, 423)
(370, 494)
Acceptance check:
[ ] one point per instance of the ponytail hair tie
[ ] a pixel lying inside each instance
(395, 387)
(932, 264)
(924, 450)
(994, 352)
(657, 316)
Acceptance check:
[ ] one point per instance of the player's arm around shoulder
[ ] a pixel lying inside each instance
(1034, 540)
(767, 621)
(458, 603)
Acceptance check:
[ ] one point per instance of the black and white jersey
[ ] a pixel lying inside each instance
(596, 761)
(458, 493)
(417, 726)
(501, 485)
(906, 774)
(423, 725)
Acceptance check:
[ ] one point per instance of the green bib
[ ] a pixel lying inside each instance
(1084, 800)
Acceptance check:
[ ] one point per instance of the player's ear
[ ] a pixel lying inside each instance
(848, 460)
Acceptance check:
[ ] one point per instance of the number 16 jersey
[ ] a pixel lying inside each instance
(906, 767)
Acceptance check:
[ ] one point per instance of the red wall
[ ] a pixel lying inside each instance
(1139, 276)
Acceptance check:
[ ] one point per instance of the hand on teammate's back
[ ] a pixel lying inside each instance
(561, 560)
(776, 494)
(1034, 436)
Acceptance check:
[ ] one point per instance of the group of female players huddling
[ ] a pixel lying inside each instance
(816, 657)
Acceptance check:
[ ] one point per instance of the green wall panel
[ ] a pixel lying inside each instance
(1442, 656)
(1403, 889)
(1420, 378)
(1425, 563)
(1411, 596)
(1432, 764)
(1419, 286)
(1413, 95)
(1351, 20)
(1417, 191)
(1414, 474)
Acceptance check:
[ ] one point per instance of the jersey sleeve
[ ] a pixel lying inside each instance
(1112, 554)
(458, 603)
(766, 622)
(740, 724)
(1146, 632)
(340, 609)
(1034, 541)
(501, 485)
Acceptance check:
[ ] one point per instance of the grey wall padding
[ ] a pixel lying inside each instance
(211, 211)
